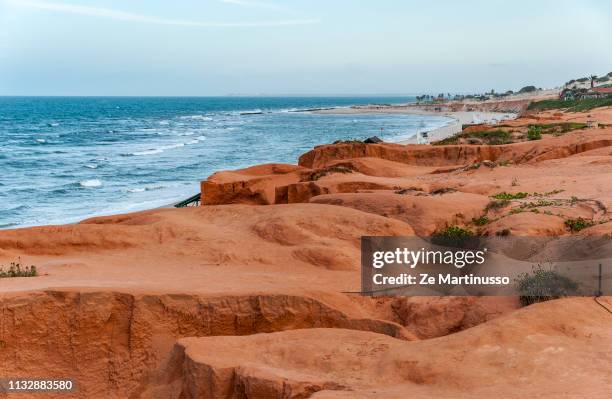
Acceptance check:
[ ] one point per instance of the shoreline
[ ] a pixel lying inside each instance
(454, 124)
(459, 118)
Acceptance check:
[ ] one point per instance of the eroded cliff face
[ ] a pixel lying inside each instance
(356, 167)
(542, 351)
(110, 342)
(252, 295)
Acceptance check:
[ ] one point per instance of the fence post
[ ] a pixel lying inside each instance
(599, 291)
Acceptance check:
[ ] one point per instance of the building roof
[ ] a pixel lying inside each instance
(603, 90)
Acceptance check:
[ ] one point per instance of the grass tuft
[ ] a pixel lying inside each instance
(16, 269)
(578, 224)
(508, 196)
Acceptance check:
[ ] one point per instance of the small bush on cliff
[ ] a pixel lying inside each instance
(15, 269)
(534, 133)
(543, 285)
(578, 224)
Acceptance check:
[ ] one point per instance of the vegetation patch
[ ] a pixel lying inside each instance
(578, 224)
(16, 269)
(488, 137)
(543, 285)
(548, 193)
(454, 232)
(556, 129)
(508, 196)
(534, 133)
(571, 105)
(481, 221)
(537, 204)
(504, 134)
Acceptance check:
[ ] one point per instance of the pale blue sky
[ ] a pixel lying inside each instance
(217, 47)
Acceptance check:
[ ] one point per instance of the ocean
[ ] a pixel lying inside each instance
(63, 159)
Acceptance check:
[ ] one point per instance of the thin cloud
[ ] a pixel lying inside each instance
(132, 17)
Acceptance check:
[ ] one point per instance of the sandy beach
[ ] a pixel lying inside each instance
(492, 112)
(458, 119)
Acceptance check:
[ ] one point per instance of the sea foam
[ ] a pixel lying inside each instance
(92, 183)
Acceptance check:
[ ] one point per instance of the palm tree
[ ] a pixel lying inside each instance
(593, 77)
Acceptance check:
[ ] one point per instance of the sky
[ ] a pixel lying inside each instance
(307, 47)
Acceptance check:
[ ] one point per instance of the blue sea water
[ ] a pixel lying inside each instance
(63, 159)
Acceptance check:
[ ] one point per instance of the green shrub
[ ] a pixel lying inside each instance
(507, 196)
(481, 221)
(453, 236)
(543, 285)
(17, 270)
(454, 232)
(578, 224)
(534, 132)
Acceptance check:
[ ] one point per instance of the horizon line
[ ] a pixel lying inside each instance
(221, 95)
